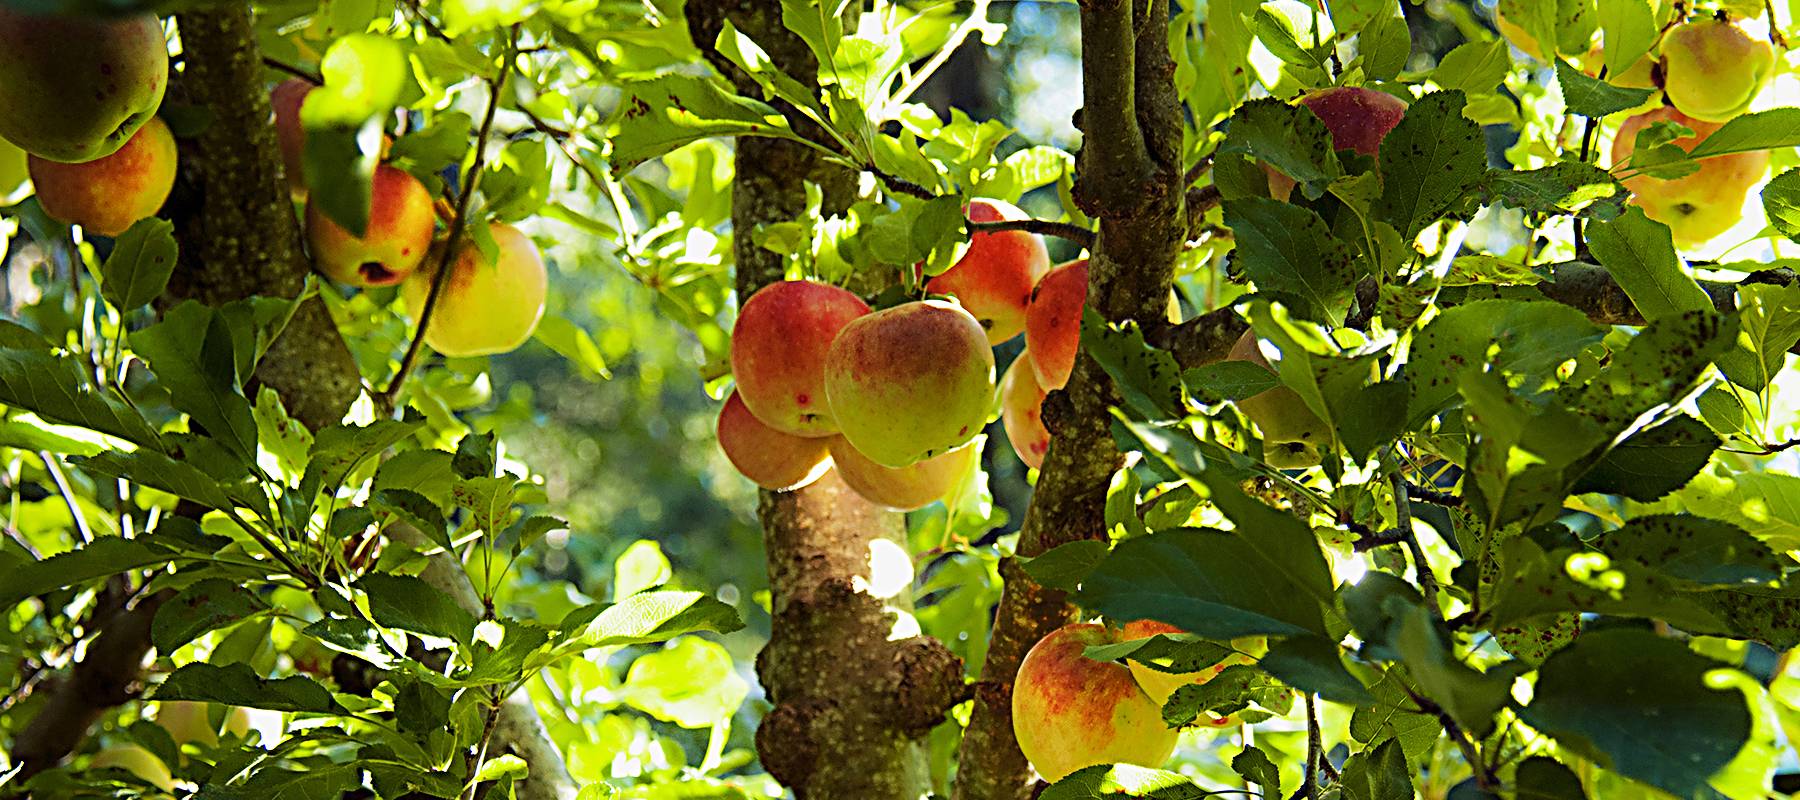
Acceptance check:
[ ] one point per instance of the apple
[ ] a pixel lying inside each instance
(1713, 70)
(778, 349)
(15, 174)
(1070, 711)
(1021, 401)
(907, 488)
(1160, 686)
(486, 307)
(1357, 119)
(192, 721)
(75, 88)
(1700, 205)
(910, 382)
(137, 761)
(1053, 323)
(994, 277)
(401, 221)
(771, 459)
(106, 195)
(286, 99)
(1293, 436)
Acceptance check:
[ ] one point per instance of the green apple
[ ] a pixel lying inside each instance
(1293, 436)
(137, 761)
(910, 382)
(486, 307)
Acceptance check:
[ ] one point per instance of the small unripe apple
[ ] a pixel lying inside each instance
(778, 349)
(907, 488)
(771, 459)
(286, 99)
(910, 382)
(1053, 323)
(76, 87)
(1703, 204)
(486, 307)
(137, 761)
(1162, 685)
(1070, 711)
(1357, 118)
(401, 221)
(1713, 70)
(1293, 436)
(994, 277)
(107, 194)
(1021, 404)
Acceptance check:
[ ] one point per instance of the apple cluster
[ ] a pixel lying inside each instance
(892, 397)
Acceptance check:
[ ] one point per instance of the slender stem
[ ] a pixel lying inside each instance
(621, 206)
(970, 23)
(1403, 521)
(293, 69)
(471, 179)
(61, 479)
(1314, 745)
(478, 756)
(1061, 230)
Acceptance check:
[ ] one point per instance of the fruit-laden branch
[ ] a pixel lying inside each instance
(1043, 227)
(1129, 178)
(853, 704)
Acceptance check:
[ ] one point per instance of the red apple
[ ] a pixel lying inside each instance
(286, 98)
(910, 382)
(994, 277)
(1021, 400)
(778, 348)
(107, 194)
(907, 488)
(401, 221)
(1070, 711)
(769, 458)
(75, 87)
(1053, 323)
(1357, 119)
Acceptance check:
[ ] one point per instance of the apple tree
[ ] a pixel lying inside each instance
(1359, 399)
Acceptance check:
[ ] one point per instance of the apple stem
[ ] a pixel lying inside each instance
(471, 179)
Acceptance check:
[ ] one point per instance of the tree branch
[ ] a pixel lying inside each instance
(1061, 230)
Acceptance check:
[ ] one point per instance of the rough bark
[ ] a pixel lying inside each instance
(855, 690)
(1129, 179)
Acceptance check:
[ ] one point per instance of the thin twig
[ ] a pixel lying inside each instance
(1403, 521)
(1425, 494)
(1314, 746)
(471, 179)
(293, 69)
(1061, 230)
(57, 476)
(1470, 753)
(478, 756)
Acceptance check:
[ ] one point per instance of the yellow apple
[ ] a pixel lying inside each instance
(1701, 205)
(486, 307)
(1713, 70)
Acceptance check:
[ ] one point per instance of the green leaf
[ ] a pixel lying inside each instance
(489, 501)
(339, 166)
(1544, 778)
(1429, 162)
(574, 344)
(657, 116)
(1229, 380)
(651, 617)
(1565, 187)
(1629, 29)
(340, 449)
(57, 388)
(193, 355)
(1147, 377)
(414, 509)
(1383, 46)
(205, 606)
(1639, 704)
(408, 603)
(1768, 326)
(1254, 766)
(1511, 485)
(1697, 549)
(1661, 365)
(1378, 774)
(1781, 203)
(1122, 782)
(692, 683)
(1211, 583)
(101, 558)
(641, 567)
(1277, 34)
(153, 469)
(1474, 68)
(239, 685)
(1392, 718)
(1527, 339)
(476, 456)
(1540, 583)
(1469, 696)
(1311, 664)
(138, 268)
(1765, 503)
(1594, 98)
(1287, 137)
(1640, 254)
(1775, 129)
(1652, 462)
(1289, 253)
(1066, 565)
(365, 75)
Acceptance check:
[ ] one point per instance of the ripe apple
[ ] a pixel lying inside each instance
(1053, 323)
(771, 459)
(907, 488)
(910, 382)
(1162, 685)
(75, 88)
(286, 98)
(1021, 403)
(1698, 206)
(778, 348)
(1357, 119)
(1713, 70)
(107, 194)
(137, 761)
(1293, 436)
(1070, 711)
(994, 277)
(487, 306)
(401, 221)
